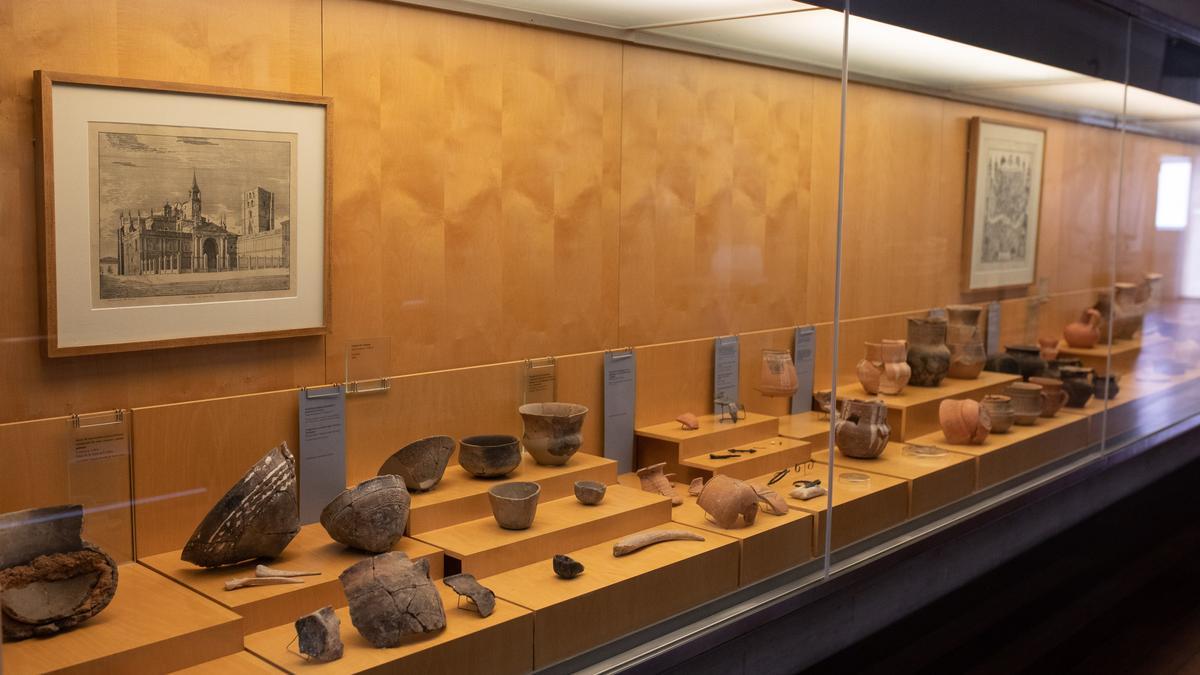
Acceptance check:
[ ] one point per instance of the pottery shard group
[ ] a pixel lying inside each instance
(257, 518)
(371, 516)
(51, 579)
(654, 480)
(320, 636)
(391, 597)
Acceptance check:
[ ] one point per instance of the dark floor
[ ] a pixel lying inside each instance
(1119, 593)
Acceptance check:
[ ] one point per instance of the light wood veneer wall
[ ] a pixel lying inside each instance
(502, 192)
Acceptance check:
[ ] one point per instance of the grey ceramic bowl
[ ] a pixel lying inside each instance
(489, 456)
(514, 504)
(589, 492)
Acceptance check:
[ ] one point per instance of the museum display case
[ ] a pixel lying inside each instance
(509, 336)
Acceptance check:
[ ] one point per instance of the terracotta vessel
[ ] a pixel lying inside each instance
(1053, 396)
(1129, 309)
(420, 464)
(724, 499)
(590, 492)
(1084, 333)
(654, 480)
(1029, 360)
(1076, 384)
(688, 421)
(1026, 401)
(777, 376)
(1105, 386)
(928, 355)
(1000, 411)
(870, 368)
(862, 429)
(967, 355)
(1049, 348)
(896, 371)
(963, 421)
(553, 431)
(514, 504)
(489, 456)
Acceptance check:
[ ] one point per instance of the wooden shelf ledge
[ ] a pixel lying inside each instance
(771, 454)
(914, 411)
(933, 482)
(669, 442)
(241, 663)
(811, 427)
(859, 511)
(265, 606)
(481, 547)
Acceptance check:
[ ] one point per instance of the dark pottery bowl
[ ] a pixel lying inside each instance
(489, 456)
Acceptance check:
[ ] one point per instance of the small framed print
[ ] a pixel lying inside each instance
(1004, 198)
(176, 214)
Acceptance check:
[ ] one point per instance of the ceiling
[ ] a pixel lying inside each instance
(809, 38)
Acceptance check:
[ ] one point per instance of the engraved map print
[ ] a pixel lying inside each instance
(184, 214)
(1008, 185)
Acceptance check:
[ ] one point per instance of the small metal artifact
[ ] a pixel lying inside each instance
(371, 516)
(719, 455)
(420, 463)
(257, 518)
(50, 578)
(320, 635)
(264, 571)
(466, 585)
(731, 411)
(391, 597)
(744, 451)
(635, 542)
(567, 567)
(247, 582)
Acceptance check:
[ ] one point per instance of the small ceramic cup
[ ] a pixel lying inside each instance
(1053, 395)
(514, 504)
(1026, 400)
(1000, 409)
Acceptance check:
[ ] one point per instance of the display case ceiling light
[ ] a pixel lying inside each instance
(781, 32)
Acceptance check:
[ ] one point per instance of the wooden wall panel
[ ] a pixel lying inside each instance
(480, 216)
(714, 197)
(187, 455)
(272, 45)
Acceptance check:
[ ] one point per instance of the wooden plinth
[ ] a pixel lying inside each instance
(153, 625)
(615, 596)
(481, 547)
(460, 497)
(469, 643)
(669, 442)
(812, 427)
(1124, 354)
(1136, 403)
(858, 511)
(241, 663)
(914, 411)
(769, 546)
(770, 454)
(1002, 456)
(264, 606)
(932, 481)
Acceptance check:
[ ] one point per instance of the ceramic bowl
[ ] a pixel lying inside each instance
(489, 456)
(514, 504)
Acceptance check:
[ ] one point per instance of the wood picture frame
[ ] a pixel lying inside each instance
(146, 262)
(1002, 214)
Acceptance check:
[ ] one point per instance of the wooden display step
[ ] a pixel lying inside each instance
(1136, 403)
(468, 644)
(481, 547)
(241, 663)
(811, 427)
(669, 442)
(264, 606)
(914, 411)
(152, 625)
(933, 481)
(615, 596)
(769, 546)
(859, 511)
(460, 497)
(770, 454)
(1002, 456)
(1124, 353)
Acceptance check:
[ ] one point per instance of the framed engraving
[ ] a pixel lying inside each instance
(176, 214)
(1004, 198)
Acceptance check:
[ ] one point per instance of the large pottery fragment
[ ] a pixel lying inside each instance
(391, 597)
(420, 463)
(50, 578)
(370, 517)
(320, 635)
(257, 518)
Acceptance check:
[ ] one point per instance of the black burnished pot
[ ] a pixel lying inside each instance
(1105, 386)
(1029, 360)
(1002, 363)
(1076, 384)
(1054, 366)
(928, 355)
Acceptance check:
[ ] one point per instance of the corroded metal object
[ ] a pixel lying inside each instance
(567, 567)
(371, 516)
(467, 586)
(320, 635)
(391, 597)
(420, 463)
(257, 518)
(636, 542)
(50, 578)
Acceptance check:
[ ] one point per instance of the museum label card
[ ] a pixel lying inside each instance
(539, 380)
(993, 327)
(804, 354)
(322, 449)
(725, 371)
(620, 385)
